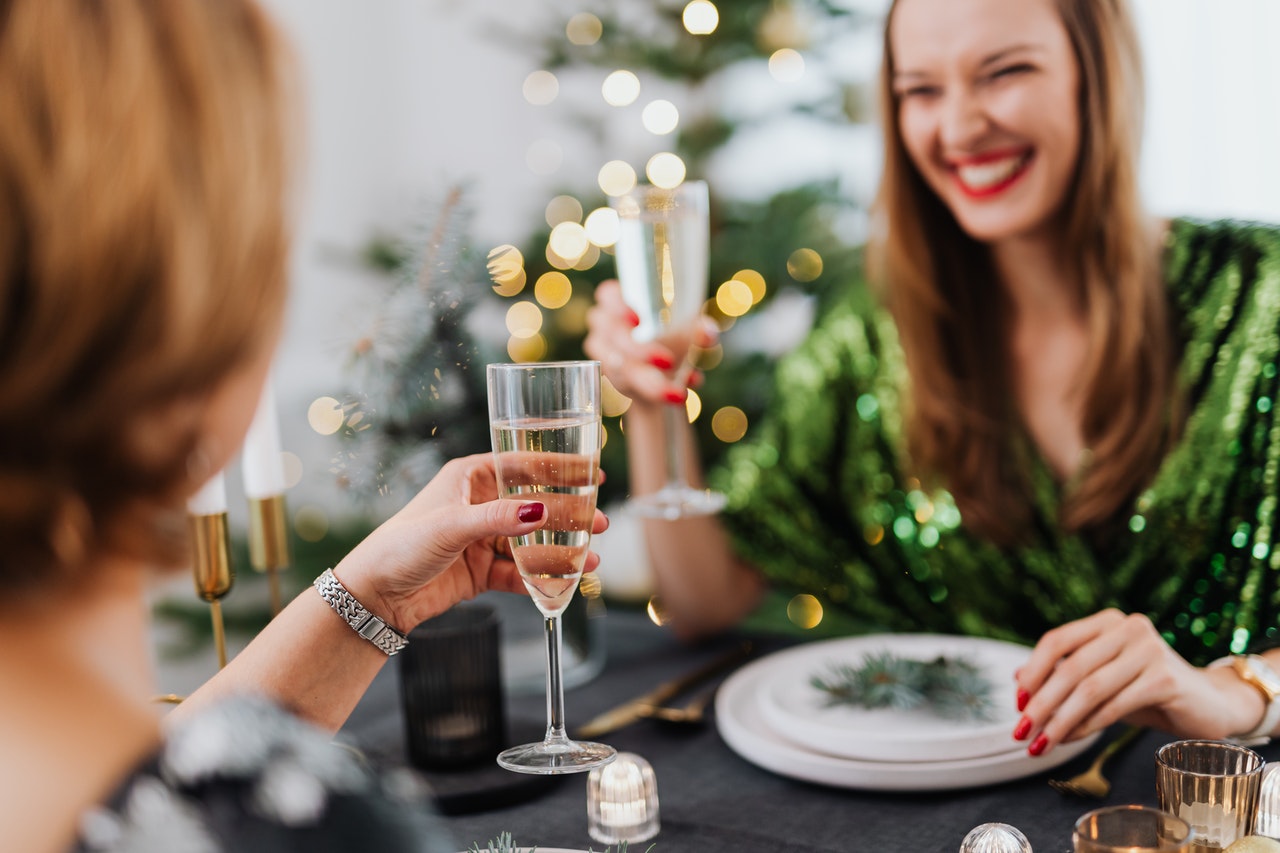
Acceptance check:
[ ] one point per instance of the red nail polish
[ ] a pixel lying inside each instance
(531, 512)
(1023, 729)
(1023, 698)
(633, 318)
(1038, 745)
(676, 396)
(661, 362)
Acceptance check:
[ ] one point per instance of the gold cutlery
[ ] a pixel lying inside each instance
(647, 704)
(1091, 783)
(693, 712)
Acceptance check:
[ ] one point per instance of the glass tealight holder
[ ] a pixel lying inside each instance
(622, 801)
(995, 838)
(1267, 820)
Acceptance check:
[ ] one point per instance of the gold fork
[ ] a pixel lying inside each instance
(694, 712)
(1091, 783)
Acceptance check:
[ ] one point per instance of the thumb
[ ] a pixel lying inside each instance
(493, 518)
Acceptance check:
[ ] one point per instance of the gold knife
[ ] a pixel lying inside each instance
(633, 709)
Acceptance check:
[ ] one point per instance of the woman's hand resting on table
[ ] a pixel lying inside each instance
(644, 371)
(444, 546)
(1111, 666)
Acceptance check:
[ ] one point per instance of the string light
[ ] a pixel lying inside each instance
(620, 88)
(311, 523)
(524, 350)
(701, 17)
(524, 320)
(734, 298)
(506, 268)
(693, 405)
(660, 117)
(786, 65)
(804, 265)
(584, 29)
(601, 226)
(563, 208)
(613, 403)
(569, 240)
(805, 611)
(729, 424)
(665, 170)
(293, 469)
(325, 415)
(616, 178)
(541, 88)
(553, 290)
(588, 259)
(755, 281)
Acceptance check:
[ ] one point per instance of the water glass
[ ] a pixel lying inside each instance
(1213, 786)
(1131, 829)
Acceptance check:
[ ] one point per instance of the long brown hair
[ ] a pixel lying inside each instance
(952, 315)
(143, 244)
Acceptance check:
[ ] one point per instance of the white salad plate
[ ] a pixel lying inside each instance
(743, 725)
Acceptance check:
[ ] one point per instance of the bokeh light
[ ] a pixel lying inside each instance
(616, 178)
(786, 65)
(557, 261)
(572, 318)
(506, 268)
(569, 240)
(543, 156)
(311, 523)
(612, 401)
(804, 265)
(540, 88)
(709, 359)
(665, 170)
(701, 17)
(588, 259)
(660, 117)
(729, 424)
(693, 405)
(563, 208)
(524, 320)
(553, 290)
(733, 298)
(602, 226)
(753, 280)
(524, 350)
(804, 611)
(325, 415)
(656, 612)
(584, 29)
(620, 88)
(293, 468)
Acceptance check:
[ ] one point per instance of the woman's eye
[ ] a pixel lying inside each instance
(917, 92)
(1010, 71)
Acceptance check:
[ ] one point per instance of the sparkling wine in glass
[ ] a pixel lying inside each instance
(545, 420)
(662, 253)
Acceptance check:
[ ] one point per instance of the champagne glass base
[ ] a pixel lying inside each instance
(674, 502)
(548, 759)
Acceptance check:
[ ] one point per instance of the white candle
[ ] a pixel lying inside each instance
(261, 461)
(211, 499)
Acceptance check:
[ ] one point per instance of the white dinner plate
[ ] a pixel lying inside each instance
(798, 711)
(744, 728)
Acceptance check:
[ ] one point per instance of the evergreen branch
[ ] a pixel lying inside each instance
(952, 688)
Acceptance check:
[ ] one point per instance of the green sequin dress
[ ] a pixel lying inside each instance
(819, 503)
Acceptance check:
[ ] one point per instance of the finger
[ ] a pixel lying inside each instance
(1061, 642)
(487, 521)
(600, 523)
(1086, 698)
(592, 562)
(707, 333)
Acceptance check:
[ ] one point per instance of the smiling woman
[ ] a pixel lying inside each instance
(1049, 416)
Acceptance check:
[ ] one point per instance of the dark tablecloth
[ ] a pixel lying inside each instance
(713, 801)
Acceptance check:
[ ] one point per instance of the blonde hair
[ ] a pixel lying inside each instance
(951, 314)
(143, 247)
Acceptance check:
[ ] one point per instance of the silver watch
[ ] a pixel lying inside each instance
(373, 629)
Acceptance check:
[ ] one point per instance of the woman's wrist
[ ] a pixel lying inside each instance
(1243, 705)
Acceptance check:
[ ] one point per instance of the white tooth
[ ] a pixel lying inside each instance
(988, 174)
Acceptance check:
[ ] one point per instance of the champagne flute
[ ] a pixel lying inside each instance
(546, 428)
(662, 251)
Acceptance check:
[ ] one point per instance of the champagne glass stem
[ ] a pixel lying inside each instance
(676, 417)
(555, 685)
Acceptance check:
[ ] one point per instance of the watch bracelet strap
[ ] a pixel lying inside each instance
(1261, 734)
(386, 638)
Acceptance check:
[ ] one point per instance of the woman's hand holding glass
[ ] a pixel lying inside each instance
(449, 544)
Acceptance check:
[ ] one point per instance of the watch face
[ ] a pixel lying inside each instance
(1262, 671)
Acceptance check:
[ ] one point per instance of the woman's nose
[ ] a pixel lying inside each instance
(963, 119)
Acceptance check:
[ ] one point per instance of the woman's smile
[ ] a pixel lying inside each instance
(989, 174)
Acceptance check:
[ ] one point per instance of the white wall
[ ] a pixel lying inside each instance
(409, 96)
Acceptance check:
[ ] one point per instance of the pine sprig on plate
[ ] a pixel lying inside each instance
(951, 687)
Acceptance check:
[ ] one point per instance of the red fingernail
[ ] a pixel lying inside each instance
(531, 512)
(633, 318)
(661, 362)
(1023, 729)
(676, 396)
(1038, 745)
(1023, 698)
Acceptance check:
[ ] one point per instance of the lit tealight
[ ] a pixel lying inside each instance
(622, 801)
(620, 88)
(665, 170)
(701, 17)
(616, 178)
(540, 88)
(660, 117)
(786, 65)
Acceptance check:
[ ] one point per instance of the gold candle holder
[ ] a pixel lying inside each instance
(269, 542)
(212, 566)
